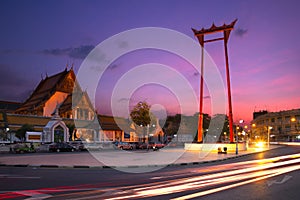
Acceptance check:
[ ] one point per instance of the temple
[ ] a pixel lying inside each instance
(59, 111)
(56, 91)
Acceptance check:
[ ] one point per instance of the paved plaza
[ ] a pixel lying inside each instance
(119, 158)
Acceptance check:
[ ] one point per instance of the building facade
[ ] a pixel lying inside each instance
(57, 100)
(280, 126)
(61, 111)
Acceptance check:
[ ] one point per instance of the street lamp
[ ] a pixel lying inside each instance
(148, 132)
(225, 133)
(236, 141)
(237, 138)
(293, 119)
(269, 130)
(7, 131)
(144, 139)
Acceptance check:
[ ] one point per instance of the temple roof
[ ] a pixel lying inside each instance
(73, 99)
(114, 123)
(47, 87)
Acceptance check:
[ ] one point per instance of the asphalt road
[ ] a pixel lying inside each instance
(247, 177)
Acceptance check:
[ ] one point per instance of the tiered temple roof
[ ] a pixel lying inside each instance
(61, 82)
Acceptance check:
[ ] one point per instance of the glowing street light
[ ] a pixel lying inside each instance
(237, 138)
(269, 130)
(293, 119)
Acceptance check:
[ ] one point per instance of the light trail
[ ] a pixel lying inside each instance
(219, 178)
(199, 194)
(225, 167)
(264, 170)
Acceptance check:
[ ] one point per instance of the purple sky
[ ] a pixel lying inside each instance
(39, 37)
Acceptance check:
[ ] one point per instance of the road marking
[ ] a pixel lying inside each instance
(15, 176)
(34, 195)
(285, 179)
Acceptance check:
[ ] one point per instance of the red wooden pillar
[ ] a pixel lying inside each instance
(226, 36)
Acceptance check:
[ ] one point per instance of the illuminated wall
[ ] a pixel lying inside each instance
(52, 103)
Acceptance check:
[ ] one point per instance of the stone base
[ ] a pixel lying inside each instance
(214, 147)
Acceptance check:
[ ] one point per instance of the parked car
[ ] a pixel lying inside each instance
(24, 148)
(142, 145)
(58, 147)
(78, 145)
(125, 145)
(156, 145)
(93, 146)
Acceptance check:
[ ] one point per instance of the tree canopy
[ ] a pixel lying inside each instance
(21, 132)
(140, 114)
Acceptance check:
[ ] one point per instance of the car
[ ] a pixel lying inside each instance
(156, 145)
(78, 145)
(142, 145)
(61, 146)
(93, 146)
(125, 145)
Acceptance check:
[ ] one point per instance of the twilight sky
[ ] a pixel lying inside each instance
(42, 37)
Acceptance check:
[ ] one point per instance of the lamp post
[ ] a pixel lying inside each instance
(143, 133)
(148, 133)
(269, 130)
(10, 139)
(295, 122)
(7, 131)
(237, 138)
(236, 141)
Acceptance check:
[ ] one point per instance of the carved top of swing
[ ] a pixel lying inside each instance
(214, 29)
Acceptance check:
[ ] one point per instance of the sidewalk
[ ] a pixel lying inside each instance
(119, 158)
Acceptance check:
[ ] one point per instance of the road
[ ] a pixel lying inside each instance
(267, 175)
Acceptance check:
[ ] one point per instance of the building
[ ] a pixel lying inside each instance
(259, 113)
(60, 90)
(56, 104)
(61, 111)
(281, 126)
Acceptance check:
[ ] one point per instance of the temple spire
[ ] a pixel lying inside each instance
(56, 114)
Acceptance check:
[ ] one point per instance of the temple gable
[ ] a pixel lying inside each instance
(56, 99)
(58, 90)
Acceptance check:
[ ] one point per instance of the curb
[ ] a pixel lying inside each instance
(114, 167)
(129, 166)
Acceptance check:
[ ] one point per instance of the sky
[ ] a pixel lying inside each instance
(40, 38)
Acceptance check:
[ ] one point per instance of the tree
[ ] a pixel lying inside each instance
(171, 125)
(220, 126)
(3, 135)
(140, 114)
(21, 132)
(143, 118)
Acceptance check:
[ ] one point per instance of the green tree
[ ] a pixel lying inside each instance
(143, 118)
(140, 114)
(21, 132)
(171, 125)
(3, 135)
